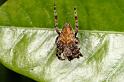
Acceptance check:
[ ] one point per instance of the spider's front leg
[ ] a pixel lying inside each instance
(76, 21)
(56, 19)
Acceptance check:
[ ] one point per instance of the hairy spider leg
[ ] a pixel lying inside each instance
(76, 21)
(58, 54)
(56, 19)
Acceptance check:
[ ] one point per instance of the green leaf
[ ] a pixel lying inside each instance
(105, 15)
(31, 52)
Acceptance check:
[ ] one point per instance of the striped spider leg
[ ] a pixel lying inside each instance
(76, 21)
(56, 19)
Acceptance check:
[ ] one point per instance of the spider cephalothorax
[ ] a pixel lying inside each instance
(67, 42)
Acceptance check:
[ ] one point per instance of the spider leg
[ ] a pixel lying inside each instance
(70, 58)
(76, 40)
(56, 19)
(80, 55)
(59, 57)
(58, 54)
(76, 21)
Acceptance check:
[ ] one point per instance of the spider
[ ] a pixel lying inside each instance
(66, 41)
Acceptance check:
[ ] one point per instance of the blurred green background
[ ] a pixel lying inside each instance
(103, 15)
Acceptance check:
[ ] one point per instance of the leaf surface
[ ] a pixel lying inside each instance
(31, 52)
